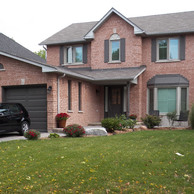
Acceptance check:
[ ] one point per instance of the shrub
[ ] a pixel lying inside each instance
(171, 117)
(150, 121)
(111, 124)
(54, 135)
(74, 130)
(191, 117)
(32, 134)
(117, 123)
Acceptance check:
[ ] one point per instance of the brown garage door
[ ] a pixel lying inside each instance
(34, 99)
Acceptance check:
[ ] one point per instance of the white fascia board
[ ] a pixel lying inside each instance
(44, 67)
(90, 34)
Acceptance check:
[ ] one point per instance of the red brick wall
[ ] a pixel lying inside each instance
(92, 102)
(133, 47)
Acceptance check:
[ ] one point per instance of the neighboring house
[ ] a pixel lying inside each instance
(113, 66)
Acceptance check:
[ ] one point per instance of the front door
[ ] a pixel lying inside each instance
(115, 101)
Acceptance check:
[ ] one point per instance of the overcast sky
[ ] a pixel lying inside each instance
(29, 22)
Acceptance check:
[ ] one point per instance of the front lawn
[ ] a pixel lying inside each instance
(138, 162)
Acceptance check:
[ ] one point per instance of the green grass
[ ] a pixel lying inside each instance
(139, 162)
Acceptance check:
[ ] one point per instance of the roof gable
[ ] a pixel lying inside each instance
(90, 34)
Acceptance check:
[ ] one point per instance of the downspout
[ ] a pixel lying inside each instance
(58, 92)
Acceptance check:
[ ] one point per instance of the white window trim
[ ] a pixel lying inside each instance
(157, 50)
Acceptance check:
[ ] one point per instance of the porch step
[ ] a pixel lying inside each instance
(95, 124)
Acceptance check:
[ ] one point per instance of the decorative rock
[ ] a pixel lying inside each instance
(95, 130)
(143, 128)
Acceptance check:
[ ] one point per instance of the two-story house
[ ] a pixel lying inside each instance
(113, 66)
(124, 65)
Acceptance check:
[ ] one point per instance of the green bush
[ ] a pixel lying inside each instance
(54, 135)
(74, 130)
(117, 123)
(32, 134)
(151, 121)
(191, 117)
(171, 117)
(111, 124)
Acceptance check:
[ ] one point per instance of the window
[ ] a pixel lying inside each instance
(74, 54)
(168, 93)
(80, 96)
(168, 49)
(167, 99)
(1, 67)
(114, 49)
(69, 95)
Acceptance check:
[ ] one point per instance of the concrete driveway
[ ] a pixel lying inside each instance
(15, 136)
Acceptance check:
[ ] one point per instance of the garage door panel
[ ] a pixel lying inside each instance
(34, 99)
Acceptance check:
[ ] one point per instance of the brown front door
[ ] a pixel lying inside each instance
(115, 101)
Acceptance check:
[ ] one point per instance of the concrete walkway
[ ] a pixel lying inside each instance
(15, 136)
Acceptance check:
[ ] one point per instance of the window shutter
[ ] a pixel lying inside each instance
(122, 42)
(85, 53)
(106, 51)
(61, 55)
(153, 50)
(182, 48)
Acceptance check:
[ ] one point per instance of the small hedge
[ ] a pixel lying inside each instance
(151, 121)
(74, 130)
(117, 123)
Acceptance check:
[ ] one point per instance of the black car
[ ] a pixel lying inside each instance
(13, 117)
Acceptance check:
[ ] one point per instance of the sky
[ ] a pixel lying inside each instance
(29, 22)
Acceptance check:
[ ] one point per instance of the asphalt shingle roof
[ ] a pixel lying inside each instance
(173, 23)
(10, 47)
(98, 75)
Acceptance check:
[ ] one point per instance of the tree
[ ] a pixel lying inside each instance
(41, 53)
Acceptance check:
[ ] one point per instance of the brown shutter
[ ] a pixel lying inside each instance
(61, 55)
(153, 50)
(106, 51)
(85, 53)
(122, 42)
(182, 48)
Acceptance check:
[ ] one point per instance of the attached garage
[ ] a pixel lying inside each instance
(34, 99)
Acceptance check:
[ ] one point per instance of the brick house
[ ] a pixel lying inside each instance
(116, 65)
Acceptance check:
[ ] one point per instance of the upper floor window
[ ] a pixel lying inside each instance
(74, 54)
(168, 49)
(70, 55)
(1, 67)
(114, 49)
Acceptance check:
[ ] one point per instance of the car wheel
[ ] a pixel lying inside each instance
(24, 127)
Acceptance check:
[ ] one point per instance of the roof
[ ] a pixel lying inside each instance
(174, 23)
(168, 79)
(10, 47)
(90, 34)
(104, 75)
